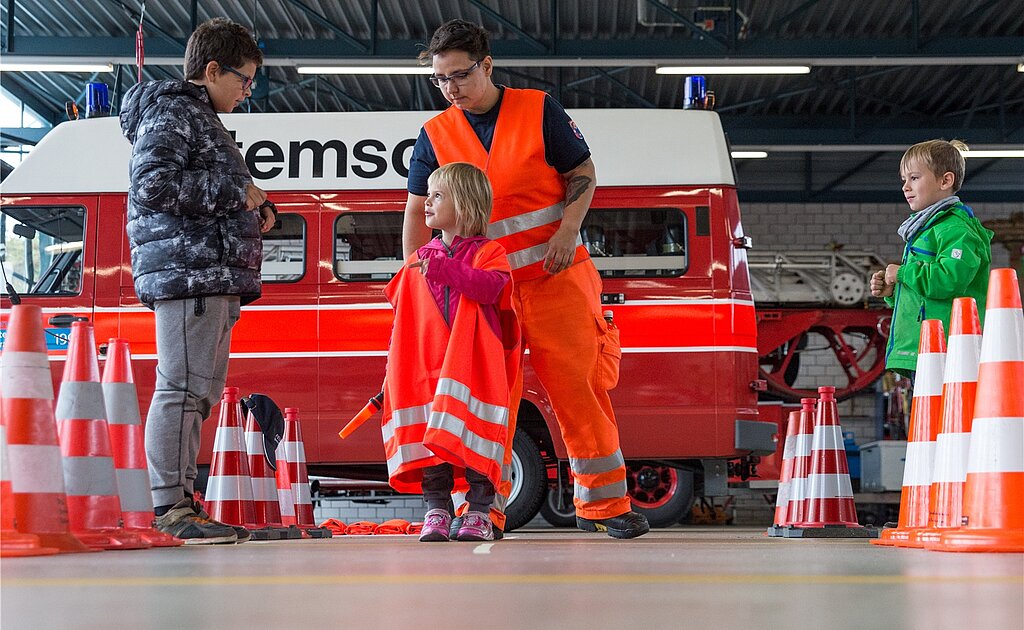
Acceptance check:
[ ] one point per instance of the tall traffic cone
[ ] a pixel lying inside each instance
(786, 475)
(925, 422)
(295, 458)
(33, 449)
(127, 442)
(801, 462)
(12, 542)
(952, 445)
(94, 507)
(993, 518)
(266, 522)
(229, 489)
(831, 512)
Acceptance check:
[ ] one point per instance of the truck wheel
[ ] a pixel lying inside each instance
(529, 482)
(564, 517)
(661, 493)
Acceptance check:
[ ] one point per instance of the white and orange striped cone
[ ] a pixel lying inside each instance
(952, 445)
(295, 458)
(786, 475)
(925, 421)
(266, 523)
(831, 512)
(33, 449)
(94, 506)
(801, 462)
(283, 479)
(12, 542)
(228, 496)
(993, 518)
(127, 443)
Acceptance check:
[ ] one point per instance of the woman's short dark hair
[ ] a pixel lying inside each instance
(223, 41)
(470, 38)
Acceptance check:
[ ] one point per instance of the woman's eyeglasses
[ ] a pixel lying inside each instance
(458, 77)
(248, 83)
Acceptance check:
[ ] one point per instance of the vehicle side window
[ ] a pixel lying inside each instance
(284, 249)
(367, 245)
(41, 249)
(636, 242)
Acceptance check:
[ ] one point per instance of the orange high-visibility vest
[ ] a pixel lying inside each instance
(529, 195)
(446, 393)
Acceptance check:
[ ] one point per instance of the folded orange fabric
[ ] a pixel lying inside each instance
(337, 527)
(415, 528)
(361, 528)
(394, 526)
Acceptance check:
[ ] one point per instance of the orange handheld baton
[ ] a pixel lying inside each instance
(372, 407)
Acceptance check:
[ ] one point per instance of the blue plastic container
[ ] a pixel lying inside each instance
(97, 100)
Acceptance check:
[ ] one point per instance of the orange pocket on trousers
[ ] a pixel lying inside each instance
(609, 354)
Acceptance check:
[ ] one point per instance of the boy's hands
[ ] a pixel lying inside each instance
(267, 217)
(254, 197)
(883, 282)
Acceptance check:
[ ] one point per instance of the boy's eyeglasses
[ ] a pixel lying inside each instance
(248, 83)
(458, 77)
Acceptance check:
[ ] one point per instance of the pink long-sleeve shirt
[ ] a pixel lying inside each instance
(450, 274)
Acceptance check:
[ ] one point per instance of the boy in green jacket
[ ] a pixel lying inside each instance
(947, 255)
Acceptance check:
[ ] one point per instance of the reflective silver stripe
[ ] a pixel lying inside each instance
(407, 417)
(526, 221)
(302, 493)
(253, 443)
(122, 403)
(614, 490)
(830, 486)
(80, 400)
(291, 452)
(286, 501)
(228, 440)
(133, 488)
(597, 465)
(264, 489)
(456, 426)
(36, 468)
(530, 255)
(5, 469)
(494, 414)
(228, 488)
(89, 476)
(25, 375)
(407, 453)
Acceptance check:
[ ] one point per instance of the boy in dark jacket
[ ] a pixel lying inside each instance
(947, 255)
(194, 225)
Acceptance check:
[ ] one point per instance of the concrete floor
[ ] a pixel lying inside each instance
(722, 577)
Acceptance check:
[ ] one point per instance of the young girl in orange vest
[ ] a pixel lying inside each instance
(453, 359)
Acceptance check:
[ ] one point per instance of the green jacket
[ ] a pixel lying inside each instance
(948, 258)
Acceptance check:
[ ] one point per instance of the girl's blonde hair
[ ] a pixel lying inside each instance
(471, 194)
(940, 157)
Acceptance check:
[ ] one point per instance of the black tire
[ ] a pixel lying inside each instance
(565, 517)
(529, 482)
(661, 493)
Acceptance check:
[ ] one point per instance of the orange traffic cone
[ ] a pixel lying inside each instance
(295, 458)
(283, 479)
(266, 523)
(831, 512)
(33, 450)
(786, 475)
(993, 513)
(127, 442)
(925, 421)
(12, 542)
(229, 489)
(801, 462)
(94, 507)
(952, 445)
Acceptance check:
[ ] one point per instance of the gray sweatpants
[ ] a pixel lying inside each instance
(192, 339)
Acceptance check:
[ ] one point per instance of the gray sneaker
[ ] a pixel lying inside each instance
(241, 533)
(181, 521)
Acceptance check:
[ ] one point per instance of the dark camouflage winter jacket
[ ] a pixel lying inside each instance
(189, 230)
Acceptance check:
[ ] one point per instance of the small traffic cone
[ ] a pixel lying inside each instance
(993, 513)
(12, 542)
(952, 445)
(786, 475)
(283, 479)
(925, 422)
(94, 507)
(127, 442)
(295, 457)
(266, 523)
(229, 489)
(831, 512)
(33, 449)
(801, 462)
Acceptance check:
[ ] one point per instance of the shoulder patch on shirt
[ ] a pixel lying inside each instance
(575, 129)
(956, 253)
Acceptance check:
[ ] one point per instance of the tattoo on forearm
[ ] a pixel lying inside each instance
(575, 188)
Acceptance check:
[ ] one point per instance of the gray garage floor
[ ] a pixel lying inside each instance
(712, 578)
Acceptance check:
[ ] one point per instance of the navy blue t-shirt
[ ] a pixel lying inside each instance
(564, 146)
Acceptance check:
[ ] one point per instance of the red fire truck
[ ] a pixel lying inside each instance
(664, 231)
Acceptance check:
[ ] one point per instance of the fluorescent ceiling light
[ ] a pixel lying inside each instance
(992, 154)
(741, 155)
(1020, 67)
(364, 70)
(733, 70)
(56, 67)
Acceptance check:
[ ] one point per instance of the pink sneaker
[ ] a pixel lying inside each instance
(435, 526)
(475, 526)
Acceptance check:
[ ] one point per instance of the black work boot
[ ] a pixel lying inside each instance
(628, 525)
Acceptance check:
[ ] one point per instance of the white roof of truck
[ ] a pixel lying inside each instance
(630, 147)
